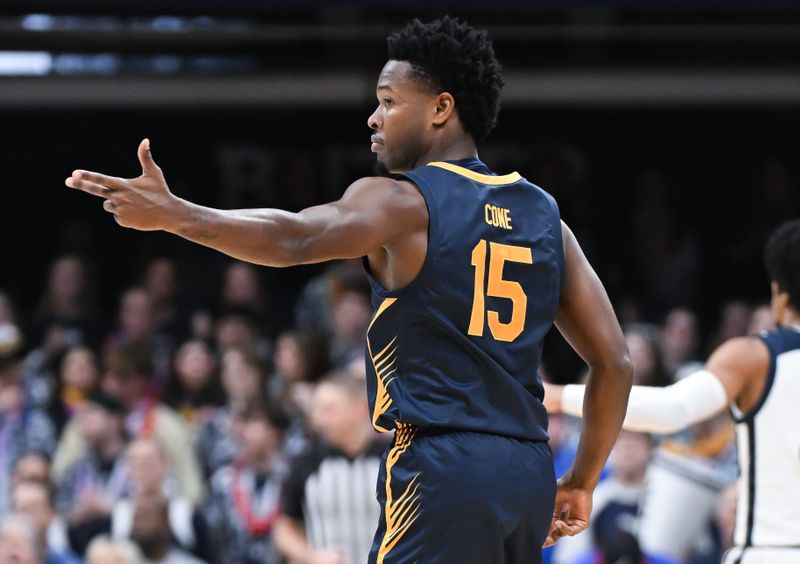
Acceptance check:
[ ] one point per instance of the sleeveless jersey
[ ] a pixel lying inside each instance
(459, 347)
(768, 510)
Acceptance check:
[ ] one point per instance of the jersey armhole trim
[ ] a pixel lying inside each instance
(750, 414)
(430, 252)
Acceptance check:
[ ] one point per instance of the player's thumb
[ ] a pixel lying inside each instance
(149, 166)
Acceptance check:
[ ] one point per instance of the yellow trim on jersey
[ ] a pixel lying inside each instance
(384, 365)
(478, 177)
(403, 511)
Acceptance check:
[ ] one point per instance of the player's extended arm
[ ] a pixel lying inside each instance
(371, 214)
(587, 321)
(699, 396)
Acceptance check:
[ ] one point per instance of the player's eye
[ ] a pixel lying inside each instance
(388, 101)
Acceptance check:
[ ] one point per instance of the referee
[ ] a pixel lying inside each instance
(329, 505)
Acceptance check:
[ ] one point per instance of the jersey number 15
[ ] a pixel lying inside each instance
(497, 287)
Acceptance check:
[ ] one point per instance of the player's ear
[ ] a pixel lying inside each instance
(444, 108)
(780, 301)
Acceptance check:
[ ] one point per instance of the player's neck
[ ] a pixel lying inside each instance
(449, 150)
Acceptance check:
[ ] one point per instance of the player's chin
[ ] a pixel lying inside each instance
(382, 168)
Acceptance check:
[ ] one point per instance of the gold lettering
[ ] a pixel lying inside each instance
(497, 217)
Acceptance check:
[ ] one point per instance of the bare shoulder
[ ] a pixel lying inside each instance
(741, 365)
(389, 196)
(741, 354)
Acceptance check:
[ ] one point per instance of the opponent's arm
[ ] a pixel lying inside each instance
(730, 371)
(371, 214)
(586, 320)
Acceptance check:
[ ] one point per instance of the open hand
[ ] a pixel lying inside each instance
(571, 514)
(143, 203)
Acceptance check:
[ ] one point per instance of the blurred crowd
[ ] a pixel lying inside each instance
(178, 432)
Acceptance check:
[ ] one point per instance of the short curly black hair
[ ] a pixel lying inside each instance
(451, 56)
(782, 259)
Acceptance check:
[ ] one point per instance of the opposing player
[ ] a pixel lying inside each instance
(759, 378)
(469, 270)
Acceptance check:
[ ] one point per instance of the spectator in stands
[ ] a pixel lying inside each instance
(78, 374)
(67, 303)
(103, 550)
(301, 359)
(137, 325)
(150, 530)
(161, 280)
(760, 320)
(236, 328)
(243, 291)
(32, 467)
(34, 500)
(352, 310)
(194, 389)
(679, 340)
(126, 378)
(150, 480)
(733, 322)
(317, 524)
(648, 367)
(89, 486)
(18, 540)
(22, 429)
(217, 442)
(245, 496)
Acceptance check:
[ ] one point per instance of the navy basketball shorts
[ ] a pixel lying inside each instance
(463, 498)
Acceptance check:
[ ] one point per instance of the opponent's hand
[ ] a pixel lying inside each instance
(143, 203)
(571, 514)
(552, 397)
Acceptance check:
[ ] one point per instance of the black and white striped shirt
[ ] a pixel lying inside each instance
(334, 496)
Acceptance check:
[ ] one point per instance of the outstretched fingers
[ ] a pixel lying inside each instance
(85, 180)
(88, 187)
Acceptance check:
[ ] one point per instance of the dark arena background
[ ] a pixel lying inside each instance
(667, 132)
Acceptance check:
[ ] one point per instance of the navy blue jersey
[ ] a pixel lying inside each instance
(459, 347)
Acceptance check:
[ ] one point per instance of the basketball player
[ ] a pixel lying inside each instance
(759, 378)
(469, 270)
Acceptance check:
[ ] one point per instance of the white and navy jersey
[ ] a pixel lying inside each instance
(768, 510)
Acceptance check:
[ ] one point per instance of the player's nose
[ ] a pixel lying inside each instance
(373, 121)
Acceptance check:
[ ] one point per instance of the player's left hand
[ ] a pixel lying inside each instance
(571, 514)
(143, 203)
